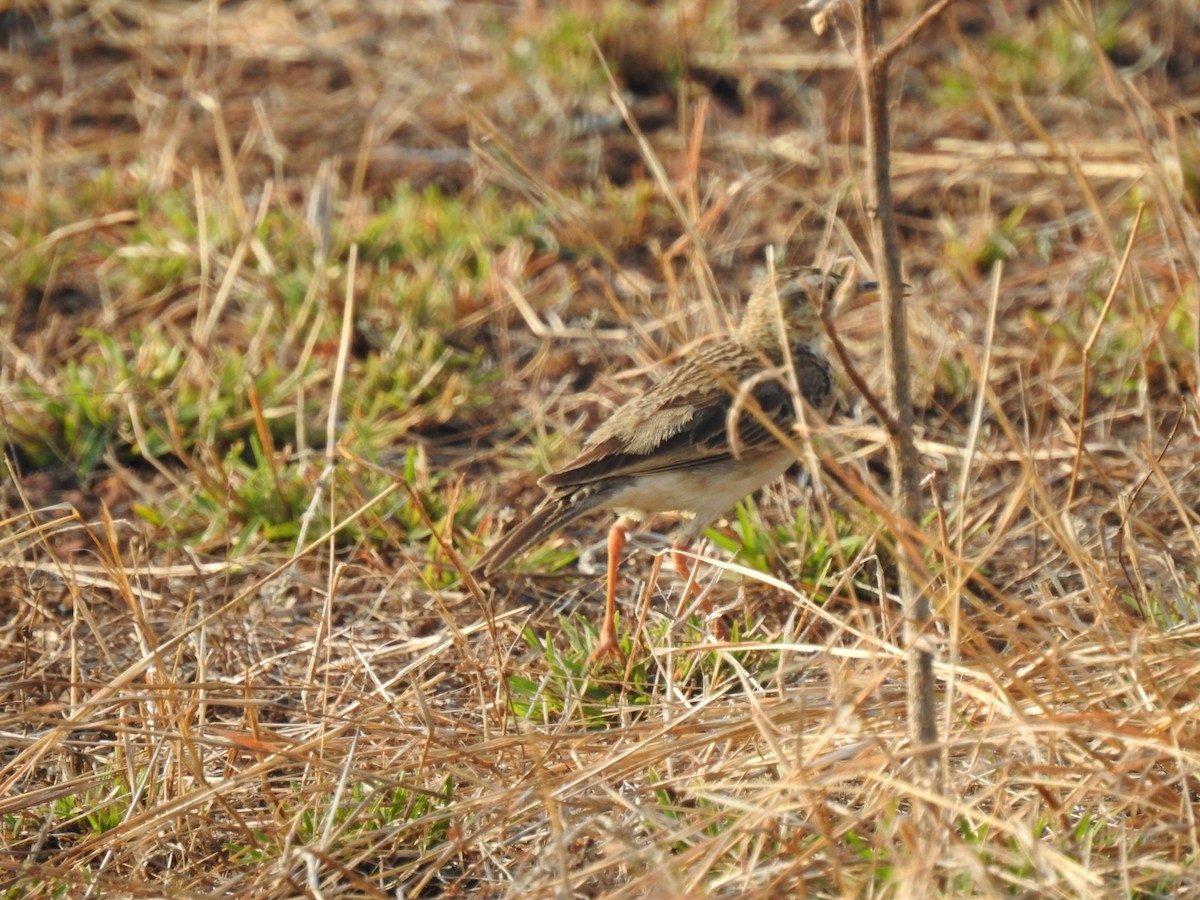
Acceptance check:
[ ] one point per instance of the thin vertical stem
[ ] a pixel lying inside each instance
(885, 239)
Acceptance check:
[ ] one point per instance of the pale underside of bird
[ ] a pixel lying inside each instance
(713, 430)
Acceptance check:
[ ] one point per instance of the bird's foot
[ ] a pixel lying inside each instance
(718, 627)
(608, 648)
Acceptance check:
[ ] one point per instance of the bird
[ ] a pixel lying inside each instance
(711, 431)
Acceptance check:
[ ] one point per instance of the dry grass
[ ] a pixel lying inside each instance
(245, 455)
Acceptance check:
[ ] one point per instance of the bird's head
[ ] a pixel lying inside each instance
(800, 294)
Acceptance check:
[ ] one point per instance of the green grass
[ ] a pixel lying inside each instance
(244, 478)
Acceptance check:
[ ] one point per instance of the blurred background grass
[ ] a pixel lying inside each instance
(265, 261)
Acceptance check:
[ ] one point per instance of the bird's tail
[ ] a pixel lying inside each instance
(554, 512)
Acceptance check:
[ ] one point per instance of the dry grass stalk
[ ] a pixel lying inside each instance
(195, 700)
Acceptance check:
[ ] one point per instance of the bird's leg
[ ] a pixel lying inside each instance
(610, 644)
(687, 571)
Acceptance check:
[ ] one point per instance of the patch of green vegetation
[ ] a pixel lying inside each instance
(1181, 322)
(561, 52)
(1054, 58)
(570, 685)
(881, 868)
(99, 809)
(1189, 160)
(415, 382)
(258, 499)
(430, 488)
(642, 45)
(978, 249)
(231, 413)
(596, 693)
(955, 382)
(549, 558)
(421, 813)
(626, 215)
(955, 88)
(1046, 56)
(605, 693)
(160, 250)
(765, 549)
(138, 397)
(31, 265)
(754, 545)
(75, 422)
(1167, 609)
(433, 250)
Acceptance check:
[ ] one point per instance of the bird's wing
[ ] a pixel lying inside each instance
(684, 420)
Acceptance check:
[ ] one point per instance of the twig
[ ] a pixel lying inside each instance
(860, 384)
(873, 70)
(884, 57)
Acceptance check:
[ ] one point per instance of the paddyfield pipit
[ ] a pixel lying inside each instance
(702, 438)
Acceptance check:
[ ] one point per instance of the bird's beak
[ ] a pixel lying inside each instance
(863, 294)
(857, 295)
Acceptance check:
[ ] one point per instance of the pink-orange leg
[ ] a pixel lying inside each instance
(687, 571)
(610, 644)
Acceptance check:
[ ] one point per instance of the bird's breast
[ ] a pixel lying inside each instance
(706, 490)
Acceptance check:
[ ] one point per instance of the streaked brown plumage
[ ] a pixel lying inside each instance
(671, 448)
